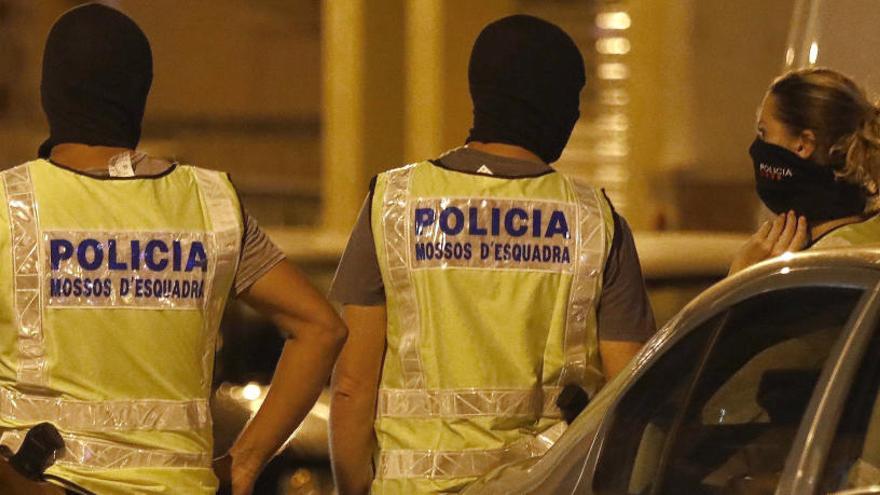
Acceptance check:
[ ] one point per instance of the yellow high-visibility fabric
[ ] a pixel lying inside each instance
(866, 232)
(464, 330)
(111, 353)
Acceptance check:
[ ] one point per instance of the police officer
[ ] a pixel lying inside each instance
(117, 267)
(816, 160)
(479, 285)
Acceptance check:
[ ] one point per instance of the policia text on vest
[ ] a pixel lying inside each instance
(126, 269)
(492, 233)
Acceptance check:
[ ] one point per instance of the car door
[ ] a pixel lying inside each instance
(719, 411)
(841, 452)
(617, 444)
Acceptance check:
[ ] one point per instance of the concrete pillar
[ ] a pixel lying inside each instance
(660, 88)
(362, 115)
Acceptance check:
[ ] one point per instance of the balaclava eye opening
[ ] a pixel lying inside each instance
(525, 77)
(97, 71)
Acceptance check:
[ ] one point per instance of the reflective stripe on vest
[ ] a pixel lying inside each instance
(397, 464)
(76, 415)
(82, 451)
(223, 217)
(584, 286)
(29, 283)
(404, 403)
(396, 213)
(24, 234)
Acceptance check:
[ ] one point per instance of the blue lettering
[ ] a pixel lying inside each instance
(522, 228)
(83, 258)
(197, 257)
(55, 287)
(59, 250)
(444, 221)
(175, 258)
(536, 223)
(150, 255)
(474, 227)
(496, 221)
(424, 218)
(420, 251)
(557, 225)
(113, 263)
(135, 255)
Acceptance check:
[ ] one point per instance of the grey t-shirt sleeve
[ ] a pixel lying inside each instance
(358, 279)
(258, 255)
(624, 311)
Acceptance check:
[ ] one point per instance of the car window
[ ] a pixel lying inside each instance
(854, 456)
(645, 413)
(720, 416)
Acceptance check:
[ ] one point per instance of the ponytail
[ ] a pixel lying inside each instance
(861, 160)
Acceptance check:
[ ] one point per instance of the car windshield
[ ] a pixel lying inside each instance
(718, 412)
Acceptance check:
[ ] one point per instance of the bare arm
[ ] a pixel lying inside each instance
(354, 386)
(616, 354)
(316, 335)
(625, 318)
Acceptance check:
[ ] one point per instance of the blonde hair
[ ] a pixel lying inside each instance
(846, 124)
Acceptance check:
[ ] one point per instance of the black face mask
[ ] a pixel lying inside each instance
(785, 181)
(525, 77)
(97, 71)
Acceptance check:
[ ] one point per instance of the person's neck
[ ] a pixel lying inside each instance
(822, 228)
(84, 157)
(505, 150)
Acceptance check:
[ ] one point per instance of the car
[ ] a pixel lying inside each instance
(766, 383)
(251, 344)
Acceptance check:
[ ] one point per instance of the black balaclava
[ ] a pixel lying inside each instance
(97, 71)
(785, 181)
(525, 76)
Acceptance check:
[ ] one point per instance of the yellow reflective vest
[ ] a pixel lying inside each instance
(111, 292)
(491, 291)
(865, 232)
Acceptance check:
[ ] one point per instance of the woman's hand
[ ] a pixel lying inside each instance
(785, 233)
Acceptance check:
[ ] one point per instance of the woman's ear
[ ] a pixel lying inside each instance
(806, 144)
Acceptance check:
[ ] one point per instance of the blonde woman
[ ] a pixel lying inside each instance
(816, 161)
